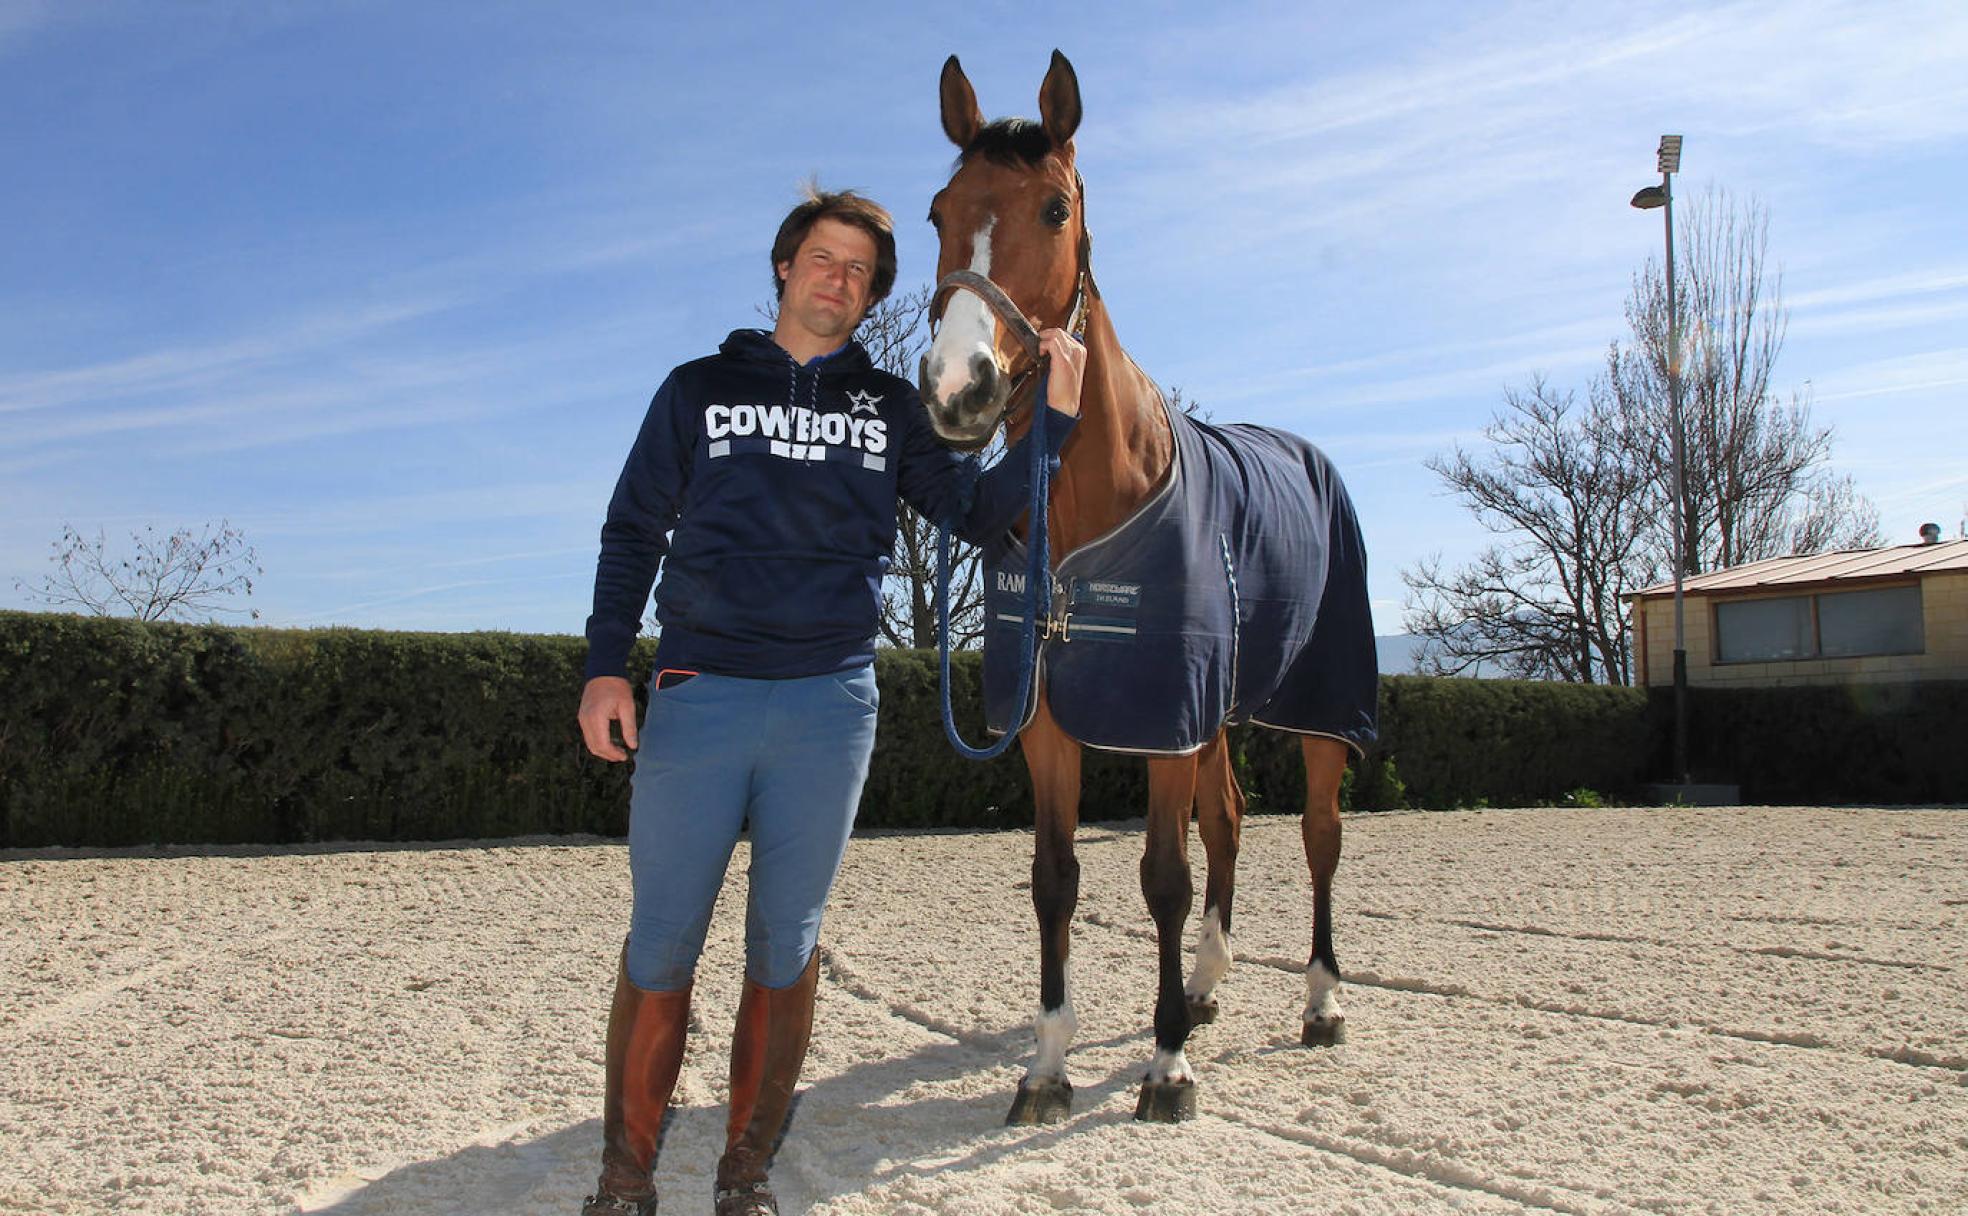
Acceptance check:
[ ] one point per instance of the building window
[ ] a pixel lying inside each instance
(1886, 621)
(1832, 625)
(1764, 631)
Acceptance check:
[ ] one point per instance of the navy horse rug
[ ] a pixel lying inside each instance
(1237, 592)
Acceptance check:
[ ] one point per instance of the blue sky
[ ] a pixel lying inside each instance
(388, 285)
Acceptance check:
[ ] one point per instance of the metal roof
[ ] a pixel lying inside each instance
(1850, 565)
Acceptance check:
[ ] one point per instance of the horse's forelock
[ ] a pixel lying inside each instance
(1011, 141)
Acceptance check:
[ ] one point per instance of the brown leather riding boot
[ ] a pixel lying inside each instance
(646, 1032)
(768, 1048)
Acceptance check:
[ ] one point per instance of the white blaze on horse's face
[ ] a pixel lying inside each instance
(963, 383)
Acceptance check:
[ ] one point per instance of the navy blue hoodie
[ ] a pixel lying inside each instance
(779, 480)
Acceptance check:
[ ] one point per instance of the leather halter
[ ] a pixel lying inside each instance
(1021, 327)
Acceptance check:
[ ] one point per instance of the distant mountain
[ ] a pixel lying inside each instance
(1397, 657)
(1397, 653)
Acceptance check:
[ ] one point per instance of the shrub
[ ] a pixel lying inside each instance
(1512, 742)
(114, 732)
(1873, 743)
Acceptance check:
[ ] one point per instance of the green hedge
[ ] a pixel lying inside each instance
(114, 732)
(1513, 742)
(1848, 743)
(1444, 743)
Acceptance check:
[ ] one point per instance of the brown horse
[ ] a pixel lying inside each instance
(1013, 213)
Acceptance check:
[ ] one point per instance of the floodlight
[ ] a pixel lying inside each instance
(1670, 154)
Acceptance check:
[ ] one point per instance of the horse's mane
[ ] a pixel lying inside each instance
(1010, 141)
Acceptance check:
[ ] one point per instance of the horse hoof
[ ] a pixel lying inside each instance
(1202, 1013)
(1327, 1033)
(1166, 1101)
(1044, 1102)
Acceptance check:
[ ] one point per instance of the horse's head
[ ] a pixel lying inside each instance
(1012, 214)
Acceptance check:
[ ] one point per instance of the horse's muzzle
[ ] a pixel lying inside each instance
(968, 417)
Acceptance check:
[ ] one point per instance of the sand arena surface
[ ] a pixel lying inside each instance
(1743, 1010)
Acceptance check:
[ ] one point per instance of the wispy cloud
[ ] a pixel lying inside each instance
(1477, 117)
(242, 421)
(1888, 287)
(343, 612)
(1556, 345)
(1480, 383)
(1917, 373)
(193, 367)
(1852, 75)
(290, 388)
(1465, 82)
(367, 515)
(1898, 317)
(585, 243)
(499, 559)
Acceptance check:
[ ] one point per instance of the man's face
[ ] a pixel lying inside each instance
(828, 280)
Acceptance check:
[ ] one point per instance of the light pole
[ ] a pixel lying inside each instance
(1647, 199)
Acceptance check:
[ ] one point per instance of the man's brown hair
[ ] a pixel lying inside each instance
(849, 208)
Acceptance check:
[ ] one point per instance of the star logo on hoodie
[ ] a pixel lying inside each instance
(863, 402)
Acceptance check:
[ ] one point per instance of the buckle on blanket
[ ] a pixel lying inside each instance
(1057, 624)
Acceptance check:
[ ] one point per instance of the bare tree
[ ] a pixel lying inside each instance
(1585, 496)
(1544, 604)
(908, 615)
(1756, 485)
(182, 576)
(1833, 516)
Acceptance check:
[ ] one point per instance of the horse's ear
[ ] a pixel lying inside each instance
(961, 118)
(1059, 101)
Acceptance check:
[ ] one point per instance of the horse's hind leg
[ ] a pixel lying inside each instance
(1168, 1093)
(1053, 759)
(1220, 820)
(1325, 764)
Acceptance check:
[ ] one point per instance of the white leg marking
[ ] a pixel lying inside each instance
(1055, 1033)
(1169, 1066)
(1212, 958)
(968, 327)
(1321, 995)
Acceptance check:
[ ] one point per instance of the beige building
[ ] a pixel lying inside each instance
(1862, 616)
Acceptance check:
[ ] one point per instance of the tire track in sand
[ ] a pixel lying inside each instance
(61, 1013)
(1903, 1055)
(1418, 1167)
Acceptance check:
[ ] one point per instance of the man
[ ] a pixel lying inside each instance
(764, 481)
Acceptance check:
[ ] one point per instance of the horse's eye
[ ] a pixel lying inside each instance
(1057, 213)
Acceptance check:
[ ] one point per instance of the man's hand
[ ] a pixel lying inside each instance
(1068, 368)
(608, 699)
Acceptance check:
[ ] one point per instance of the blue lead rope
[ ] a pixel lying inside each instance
(1038, 592)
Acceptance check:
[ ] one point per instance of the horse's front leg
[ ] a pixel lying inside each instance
(1168, 1093)
(1053, 759)
(1219, 820)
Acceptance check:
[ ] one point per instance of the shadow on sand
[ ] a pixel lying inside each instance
(849, 1133)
